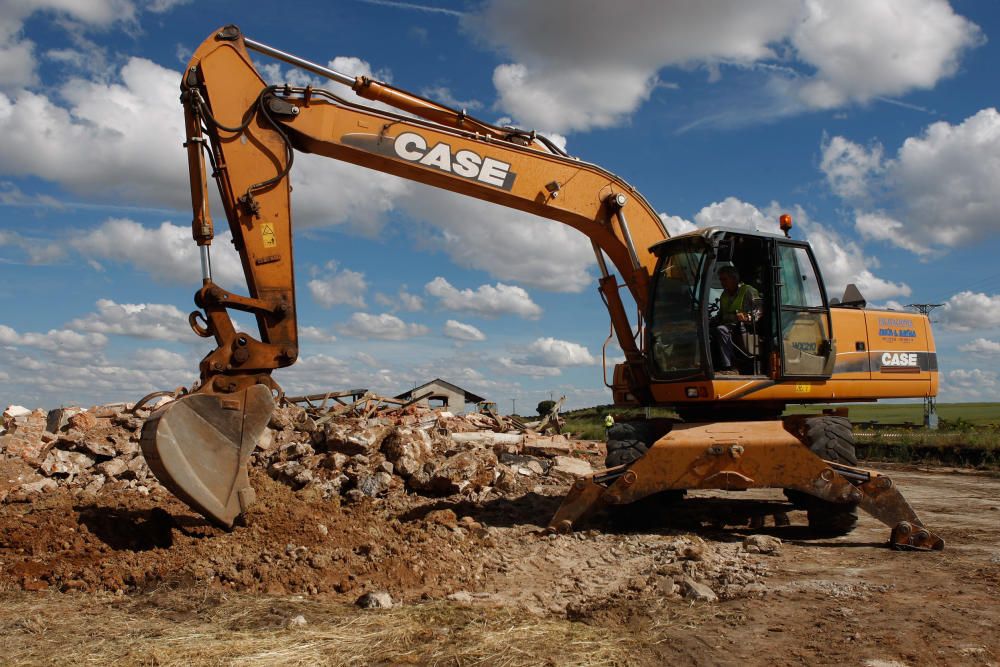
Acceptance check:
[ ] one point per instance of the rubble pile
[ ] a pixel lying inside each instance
(371, 448)
(89, 451)
(410, 450)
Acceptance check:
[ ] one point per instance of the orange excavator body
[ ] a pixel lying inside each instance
(805, 349)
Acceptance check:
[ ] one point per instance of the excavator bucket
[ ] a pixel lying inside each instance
(199, 445)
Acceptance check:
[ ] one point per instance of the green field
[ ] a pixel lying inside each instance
(979, 414)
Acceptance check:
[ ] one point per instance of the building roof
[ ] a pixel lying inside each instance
(469, 396)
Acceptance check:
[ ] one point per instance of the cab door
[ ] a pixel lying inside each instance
(805, 339)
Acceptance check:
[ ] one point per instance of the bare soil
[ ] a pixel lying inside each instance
(140, 579)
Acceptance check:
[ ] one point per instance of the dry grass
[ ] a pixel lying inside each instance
(189, 628)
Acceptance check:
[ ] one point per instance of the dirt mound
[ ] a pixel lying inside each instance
(419, 505)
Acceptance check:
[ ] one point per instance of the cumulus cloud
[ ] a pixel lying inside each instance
(154, 321)
(971, 311)
(938, 191)
(339, 287)
(514, 367)
(974, 384)
(850, 167)
(382, 327)
(918, 43)
(156, 358)
(731, 212)
(461, 331)
(167, 253)
(486, 300)
(119, 138)
(841, 261)
(508, 244)
(62, 343)
(881, 227)
(17, 53)
(813, 51)
(315, 335)
(557, 353)
(568, 80)
(981, 346)
(31, 250)
(402, 301)
(676, 225)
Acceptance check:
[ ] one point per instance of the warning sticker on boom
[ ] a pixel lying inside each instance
(267, 234)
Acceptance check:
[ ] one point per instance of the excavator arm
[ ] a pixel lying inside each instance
(249, 132)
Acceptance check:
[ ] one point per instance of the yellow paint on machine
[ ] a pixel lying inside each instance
(267, 235)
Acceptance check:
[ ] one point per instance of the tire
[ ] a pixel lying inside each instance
(627, 442)
(829, 438)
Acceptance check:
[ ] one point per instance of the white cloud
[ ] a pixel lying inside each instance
(157, 321)
(508, 244)
(850, 167)
(841, 261)
(63, 343)
(881, 227)
(383, 327)
(339, 287)
(33, 250)
(731, 212)
(167, 253)
(676, 225)
(17, 53)
(570, 80)
(981, 346)
(157, 358)
(971, 311)
(863, 49)
(514, 367)
(969, 385)
(461, 331)
(486, 300)
(402, 301)
(315, 335)
(120, 140)
(557, 353)
(939, 189)
(163, 6)
(443, 95)
(818, 53)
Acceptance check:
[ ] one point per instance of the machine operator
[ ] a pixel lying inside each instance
(736, 310)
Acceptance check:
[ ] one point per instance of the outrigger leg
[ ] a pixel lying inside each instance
(739, 456)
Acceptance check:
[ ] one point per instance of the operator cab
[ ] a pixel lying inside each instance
(783, 326)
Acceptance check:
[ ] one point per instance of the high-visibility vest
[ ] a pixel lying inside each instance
(730, 305)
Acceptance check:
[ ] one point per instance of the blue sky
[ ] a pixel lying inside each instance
(872, 122)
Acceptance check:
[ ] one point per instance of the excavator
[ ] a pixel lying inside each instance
(794, 346)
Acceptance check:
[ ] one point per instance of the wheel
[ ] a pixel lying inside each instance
(627, 442)
(829, 438)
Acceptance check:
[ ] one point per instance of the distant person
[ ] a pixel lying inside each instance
(735, 311)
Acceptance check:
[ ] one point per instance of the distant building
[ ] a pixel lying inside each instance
(442, 394)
